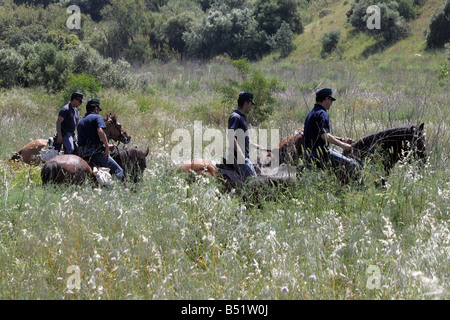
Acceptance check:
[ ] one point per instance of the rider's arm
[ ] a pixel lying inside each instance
(58, 129)
(104, 139)
(334, 140)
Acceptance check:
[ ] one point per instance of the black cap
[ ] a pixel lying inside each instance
(93, 103)
(76, 95)
(245, 96)
(325, 92)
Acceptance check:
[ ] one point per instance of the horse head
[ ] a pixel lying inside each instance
(288, 151)
(115, 131)
(397, 142)
(419, 141)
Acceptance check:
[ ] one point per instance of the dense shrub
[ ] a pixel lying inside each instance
(84, 83)
(270, 15)
(393, 25)
(11, 66)
(330, 40)
(282, 40)
(234, 33)
(44, 65)
(439, 33)
(251, 80)
(90, 61)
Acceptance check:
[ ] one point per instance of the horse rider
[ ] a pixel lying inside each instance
(239, 139)
(66, 124)
(92, 140)
(317, 136)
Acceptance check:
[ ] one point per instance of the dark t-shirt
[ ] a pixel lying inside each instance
(317, 122)
(87, 129)
(238, 121)
(71, 117)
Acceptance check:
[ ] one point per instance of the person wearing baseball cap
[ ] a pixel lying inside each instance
(66, 124)
(92, 140)
(240, 143)
(317, 137)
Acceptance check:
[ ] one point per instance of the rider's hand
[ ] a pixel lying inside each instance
(59, 140)
(106, 153)
(347, 147)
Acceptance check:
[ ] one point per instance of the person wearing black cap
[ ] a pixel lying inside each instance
(93, 142)
(317, 136)
(239, 139)
(66, 124)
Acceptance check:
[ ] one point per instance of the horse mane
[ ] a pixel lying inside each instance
(394, 138)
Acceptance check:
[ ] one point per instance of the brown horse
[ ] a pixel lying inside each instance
(132, 161)
(114, 130)
(72, 169)
(31, 152)
(67, 168)
(288, 151)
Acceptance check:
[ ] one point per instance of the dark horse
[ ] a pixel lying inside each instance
(397, 142)
(72, 169)
(30, 153)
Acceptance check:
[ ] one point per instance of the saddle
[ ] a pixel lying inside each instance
(280, 175)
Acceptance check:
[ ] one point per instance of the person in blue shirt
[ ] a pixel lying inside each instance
(239, 138)
(66, 124)
(93, 142)
(317, 136)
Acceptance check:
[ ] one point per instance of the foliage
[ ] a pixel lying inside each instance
(282, 40)
(252, 80)
(11, 64)
(393, 25)
(84, 83)
(90, 61)
(44, 65)
(270, 15)
(234, 33)
(439, 33)
(330, 40)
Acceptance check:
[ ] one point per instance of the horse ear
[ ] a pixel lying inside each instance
(146, 152)
(421, 126)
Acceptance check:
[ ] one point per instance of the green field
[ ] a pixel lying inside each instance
(171, 238)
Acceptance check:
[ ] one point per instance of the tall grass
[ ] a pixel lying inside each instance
(169, 238)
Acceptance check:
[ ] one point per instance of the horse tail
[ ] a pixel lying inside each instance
(49, 172)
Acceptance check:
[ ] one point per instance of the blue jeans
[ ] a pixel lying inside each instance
(337, 161)
(246, 169)
(95, 154)
(68, 143)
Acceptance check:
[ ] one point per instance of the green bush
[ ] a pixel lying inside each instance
(253, 81)
(330, 40)
(11, 67)
(84, 83)
(44, 65)
(439, 33)
(282, 40)
(89, 61)
(393, 24)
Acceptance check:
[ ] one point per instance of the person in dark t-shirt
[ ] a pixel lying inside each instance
(67, 123)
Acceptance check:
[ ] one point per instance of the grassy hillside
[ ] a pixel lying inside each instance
(362, 46)
(169, 238)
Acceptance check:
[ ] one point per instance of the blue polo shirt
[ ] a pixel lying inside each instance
(71, 117)
(237, 121)
(87, 129)
(317, 122)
